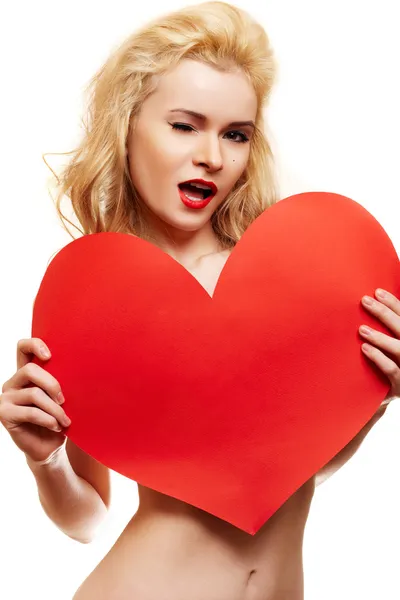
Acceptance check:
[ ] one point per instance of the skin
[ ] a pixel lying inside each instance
(160, 157)
(171, 550)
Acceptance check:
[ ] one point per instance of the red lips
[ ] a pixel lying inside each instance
(210, 184)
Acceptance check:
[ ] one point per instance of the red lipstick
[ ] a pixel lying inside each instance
(200, 203)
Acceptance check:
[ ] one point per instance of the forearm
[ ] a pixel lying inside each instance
(69, 501)
(350, 449)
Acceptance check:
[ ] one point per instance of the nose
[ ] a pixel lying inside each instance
(208, 154)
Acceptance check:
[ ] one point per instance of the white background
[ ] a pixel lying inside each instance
(335, 123)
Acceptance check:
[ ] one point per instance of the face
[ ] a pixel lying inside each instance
(167, 148)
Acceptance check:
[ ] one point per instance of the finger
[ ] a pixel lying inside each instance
(27, 348)
(37, 397)
(385, 364)
(389, 300)
(32, 373)
(386, 311)
(383, 341)
(12, 418)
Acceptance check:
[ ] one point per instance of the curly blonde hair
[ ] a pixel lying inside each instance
(97, 179)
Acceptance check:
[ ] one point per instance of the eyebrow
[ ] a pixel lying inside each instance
(204, 118)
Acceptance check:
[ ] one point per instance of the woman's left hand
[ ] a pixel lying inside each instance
(387, 309)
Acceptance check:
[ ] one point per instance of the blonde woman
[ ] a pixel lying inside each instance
(180, 101)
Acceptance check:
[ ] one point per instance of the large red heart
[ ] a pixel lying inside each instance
(228, 403)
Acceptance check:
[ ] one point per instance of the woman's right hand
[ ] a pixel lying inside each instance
(29, 405)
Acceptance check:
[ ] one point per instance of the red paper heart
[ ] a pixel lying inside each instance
(228, 403)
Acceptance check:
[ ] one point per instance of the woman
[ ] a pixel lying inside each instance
(181, 99)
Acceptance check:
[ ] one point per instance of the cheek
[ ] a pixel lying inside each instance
(161, 157)
(240, 158)
(239, 167)
(146, 162)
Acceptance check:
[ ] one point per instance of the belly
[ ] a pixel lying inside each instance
(173, 551)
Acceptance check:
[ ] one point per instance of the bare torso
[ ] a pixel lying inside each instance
(173, 551)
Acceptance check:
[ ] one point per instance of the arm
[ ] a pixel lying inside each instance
(350, 449)
(68, 499)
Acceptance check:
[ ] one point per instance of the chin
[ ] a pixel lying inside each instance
(187, 219)
(190, 223)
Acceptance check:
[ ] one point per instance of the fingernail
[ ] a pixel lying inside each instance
(381, 294)
(60, 398)
(365, 330)
(368, 301)
(44, 352)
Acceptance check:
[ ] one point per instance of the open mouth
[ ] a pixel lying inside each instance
(194, 192)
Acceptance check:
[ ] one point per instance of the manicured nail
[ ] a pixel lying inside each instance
(367, 300)
(365, 330)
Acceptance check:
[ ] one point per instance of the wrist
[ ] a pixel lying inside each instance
(54, 460)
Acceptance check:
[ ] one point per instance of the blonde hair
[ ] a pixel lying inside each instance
(97, 178)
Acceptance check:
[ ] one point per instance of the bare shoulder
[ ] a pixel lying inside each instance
(87, 467)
